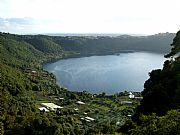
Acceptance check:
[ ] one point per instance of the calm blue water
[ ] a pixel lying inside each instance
(110, 74)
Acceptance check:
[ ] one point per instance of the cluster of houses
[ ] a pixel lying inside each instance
(47, 107)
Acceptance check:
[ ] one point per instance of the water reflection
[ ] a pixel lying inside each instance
(110, 74)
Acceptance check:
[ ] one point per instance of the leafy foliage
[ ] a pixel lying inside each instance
(43, 43)
(175, 45)
(168, 124)
(162, 90)
(161, 94)
(23, 83)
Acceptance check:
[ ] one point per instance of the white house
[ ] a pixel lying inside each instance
(126, 102)
(51, 106)
(76, 109)
(34, 71)
(89, 118)
(80, 102)
(131, 95)
(140, 98)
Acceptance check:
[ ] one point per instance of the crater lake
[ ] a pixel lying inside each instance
(110, 73)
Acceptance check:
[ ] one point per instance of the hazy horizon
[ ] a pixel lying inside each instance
(87, 34)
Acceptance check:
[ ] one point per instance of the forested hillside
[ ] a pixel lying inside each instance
(26, 50)
(163, 86)
(158, 112)
(24, 86)
(108, 45)
(29, 51)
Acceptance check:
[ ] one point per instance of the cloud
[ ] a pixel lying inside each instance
(20, 21)
(16, 24)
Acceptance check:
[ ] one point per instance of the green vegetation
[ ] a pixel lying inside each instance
(24, 85)
(161, 94)
(110, 45)
(162, 90)
(168, 124)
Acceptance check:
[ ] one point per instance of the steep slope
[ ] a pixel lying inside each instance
(17, 53)
(17, 84)
(175, 45)
(28, 51)
(162, 90)
(43, 43)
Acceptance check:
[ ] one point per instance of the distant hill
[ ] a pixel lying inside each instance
(30, 49)
(93, 45)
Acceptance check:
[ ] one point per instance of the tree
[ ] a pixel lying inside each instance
(1, 128)
(155, 125)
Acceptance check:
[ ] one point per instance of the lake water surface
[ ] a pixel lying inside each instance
(110, 73)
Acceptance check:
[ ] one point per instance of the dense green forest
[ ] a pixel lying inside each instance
(108, 45)
(24, 85)
(158, 112)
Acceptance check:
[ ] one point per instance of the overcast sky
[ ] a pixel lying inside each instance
(89, 16)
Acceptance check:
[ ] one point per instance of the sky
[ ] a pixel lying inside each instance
(89, 16)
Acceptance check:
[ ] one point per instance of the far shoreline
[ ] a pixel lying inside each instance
(99, 54)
